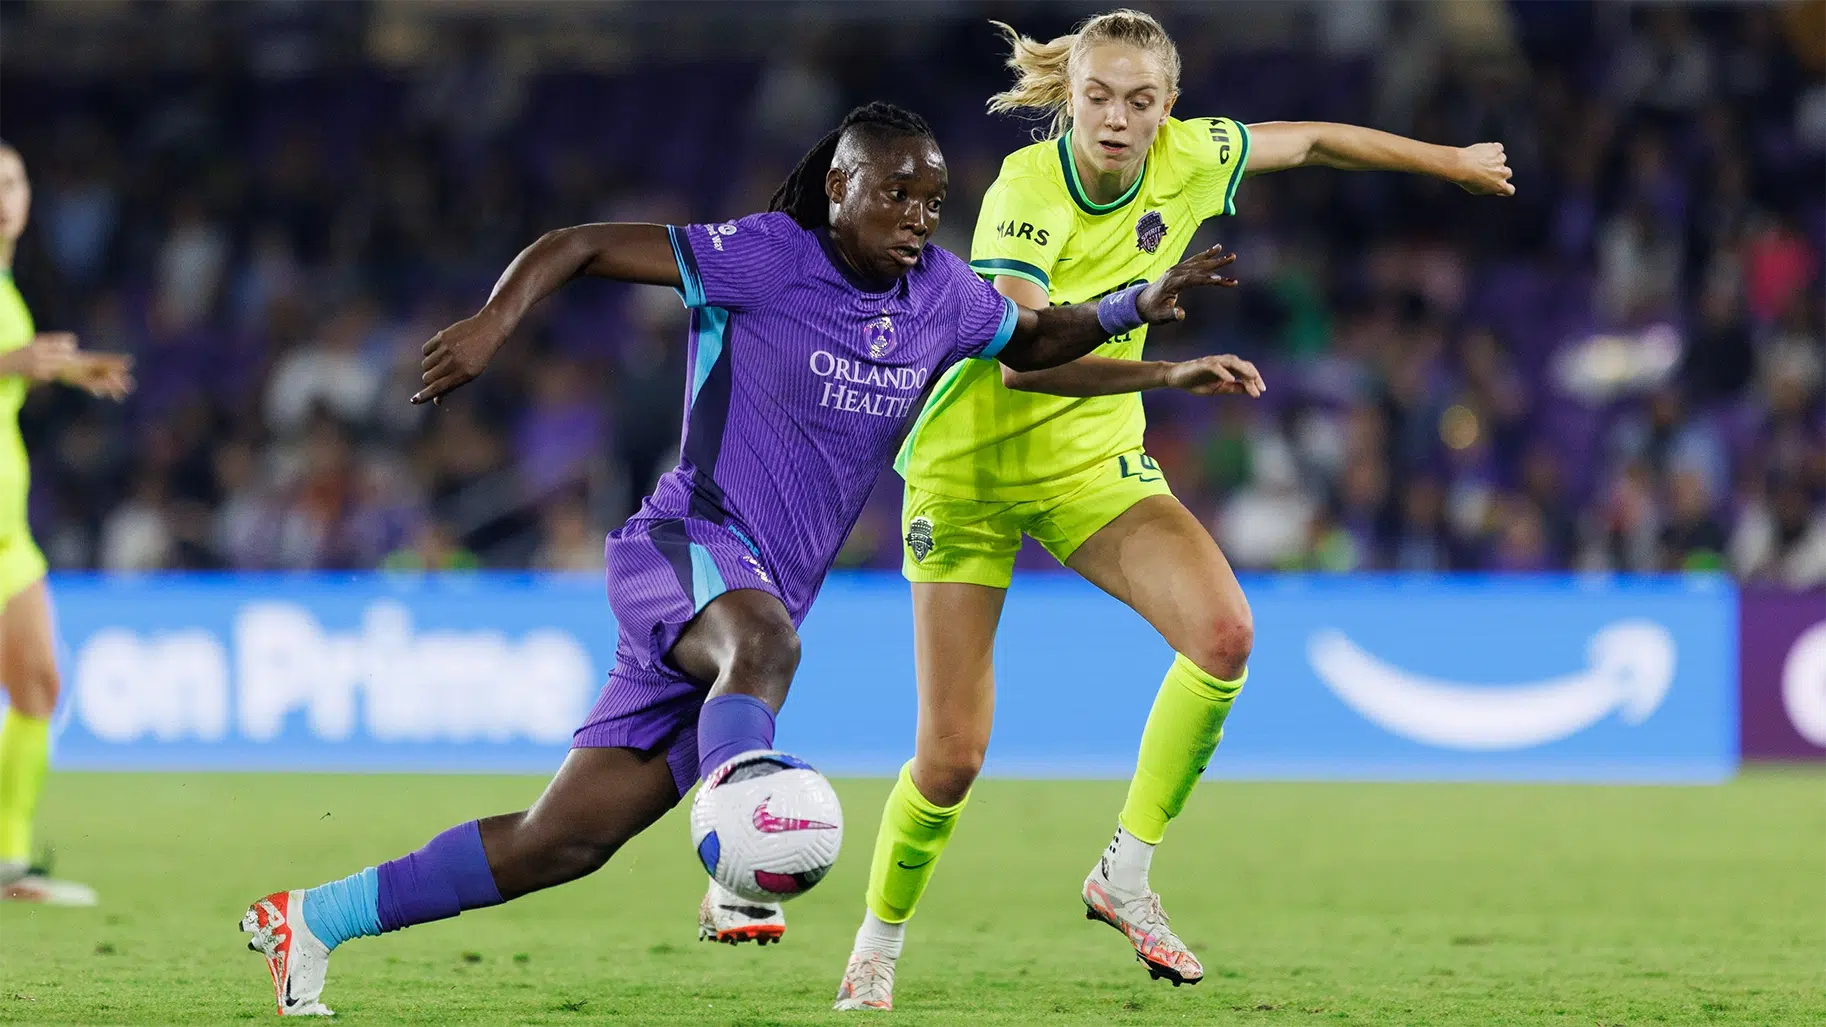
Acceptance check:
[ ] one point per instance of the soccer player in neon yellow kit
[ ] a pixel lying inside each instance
(1110, 199)
(28, 668)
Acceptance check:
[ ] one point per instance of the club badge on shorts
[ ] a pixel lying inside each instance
(1150, 230)
(919, 538)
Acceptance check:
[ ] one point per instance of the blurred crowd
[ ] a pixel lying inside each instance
(1620, 369)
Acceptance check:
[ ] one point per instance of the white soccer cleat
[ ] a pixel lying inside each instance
(731, 919)
(33, 883)
(1140, 918)
(868, 981)
(297, 960)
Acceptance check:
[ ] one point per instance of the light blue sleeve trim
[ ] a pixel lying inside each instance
(1011, 316)
(692, 287)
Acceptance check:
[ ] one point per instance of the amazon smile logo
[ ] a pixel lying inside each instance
(1629, 666)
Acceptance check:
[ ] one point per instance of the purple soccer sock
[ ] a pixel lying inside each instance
(447, 876)
(730, 725)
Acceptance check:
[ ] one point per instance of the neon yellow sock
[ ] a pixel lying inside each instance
(1183, 729)
(913, 833)
(25, 752)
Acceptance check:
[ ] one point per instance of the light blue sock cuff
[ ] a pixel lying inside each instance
(340, 910)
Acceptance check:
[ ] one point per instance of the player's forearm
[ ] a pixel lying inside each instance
(1059, 335)
(26, 364)
(1354, 148)
(626, 252)
(1090, 376)
(540, 270)
(1282, 145)
(1053, 336)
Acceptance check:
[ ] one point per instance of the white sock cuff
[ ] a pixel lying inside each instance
(878, 935)
(1129, 858)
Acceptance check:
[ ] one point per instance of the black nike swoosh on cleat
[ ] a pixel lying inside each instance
(751, 912)
(914, 866)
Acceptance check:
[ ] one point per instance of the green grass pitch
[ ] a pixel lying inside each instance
(1310, 904)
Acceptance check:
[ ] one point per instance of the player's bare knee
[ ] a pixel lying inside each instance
(765, 659)
(952, 774)
(944, 772)
(1221, 647)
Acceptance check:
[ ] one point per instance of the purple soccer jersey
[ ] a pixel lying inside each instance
(801, 381)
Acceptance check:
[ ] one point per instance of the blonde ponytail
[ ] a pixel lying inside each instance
(1042, 85)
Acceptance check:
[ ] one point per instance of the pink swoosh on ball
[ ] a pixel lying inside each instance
(766, 823)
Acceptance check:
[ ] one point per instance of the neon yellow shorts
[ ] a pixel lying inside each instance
(21, 563)
(974, 541)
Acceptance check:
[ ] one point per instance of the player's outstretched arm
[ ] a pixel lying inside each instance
(102, 375)
(1219, 374)
(1059, 335)
(1085, 376)
(44, 359)
(625, 252)
(1107, 377)
(55, 357)
(1278, 145)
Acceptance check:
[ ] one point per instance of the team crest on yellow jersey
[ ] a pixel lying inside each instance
(1150, 230)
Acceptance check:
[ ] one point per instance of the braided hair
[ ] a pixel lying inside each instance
(802, 194)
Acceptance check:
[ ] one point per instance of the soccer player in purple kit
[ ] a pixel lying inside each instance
(815, 329)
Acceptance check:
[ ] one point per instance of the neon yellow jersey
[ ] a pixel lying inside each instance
(16, 331)
(978, 439)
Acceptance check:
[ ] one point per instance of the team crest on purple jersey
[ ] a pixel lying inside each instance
(879, 334)
(1150, 230)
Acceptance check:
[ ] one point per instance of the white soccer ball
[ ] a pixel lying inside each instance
(767, 826)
